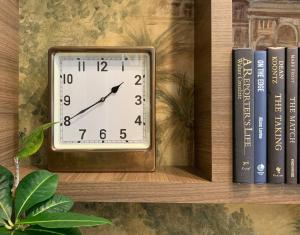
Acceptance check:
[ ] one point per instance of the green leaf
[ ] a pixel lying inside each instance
(36, 230)
(64, 220)
(34, 188)
(32, 145)
(47, 125)
(2, 223)
(57, 203)
(6, 183)
(34, 141)
(4, 231)
(10, 176)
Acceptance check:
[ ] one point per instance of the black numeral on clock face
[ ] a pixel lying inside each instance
(138, 81)
(138, 120)
(101, 66)
(83, 131)
(67, 100)
(67, 120)
(102, 134)
(68, 78)
(81, 65)
(123, 134)
(138, 100)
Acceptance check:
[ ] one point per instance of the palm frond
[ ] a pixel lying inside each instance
(170, 42)
(297, 225)
(177, 108)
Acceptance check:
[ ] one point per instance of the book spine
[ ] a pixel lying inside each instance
(260, 116)
(291, 115)
(276, 115)
(243, 119)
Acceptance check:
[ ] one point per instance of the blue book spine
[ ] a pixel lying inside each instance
(260, 116)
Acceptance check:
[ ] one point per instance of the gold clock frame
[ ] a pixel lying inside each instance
(103, 160)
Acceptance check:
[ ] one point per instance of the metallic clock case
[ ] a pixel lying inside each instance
(100, 160)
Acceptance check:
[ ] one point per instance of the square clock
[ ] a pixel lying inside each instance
(103, 100)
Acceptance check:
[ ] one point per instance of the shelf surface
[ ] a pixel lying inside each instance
(213, 119)
(168, 185)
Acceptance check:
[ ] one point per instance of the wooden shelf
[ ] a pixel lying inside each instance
(167, 185)
(210, 180)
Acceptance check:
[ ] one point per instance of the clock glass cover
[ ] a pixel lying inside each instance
(101, 100)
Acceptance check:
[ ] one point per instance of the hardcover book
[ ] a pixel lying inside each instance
(276, 115)
(243, 75)
(260, 116)
(291, 115)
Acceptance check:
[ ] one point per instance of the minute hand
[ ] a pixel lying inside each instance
(113, 91)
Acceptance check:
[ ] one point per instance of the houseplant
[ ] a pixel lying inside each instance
(31, 207)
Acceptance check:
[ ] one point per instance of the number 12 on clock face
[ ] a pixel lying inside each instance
(102, 100)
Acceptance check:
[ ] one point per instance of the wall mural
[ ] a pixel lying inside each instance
(263, 23)
(167, 25)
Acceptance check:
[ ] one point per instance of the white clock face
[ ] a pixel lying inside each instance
(101, 101)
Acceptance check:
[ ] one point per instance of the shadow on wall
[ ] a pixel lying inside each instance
(166, 25)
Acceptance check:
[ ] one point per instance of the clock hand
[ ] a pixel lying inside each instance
(114, 90)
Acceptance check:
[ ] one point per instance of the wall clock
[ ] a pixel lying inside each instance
(104, 102)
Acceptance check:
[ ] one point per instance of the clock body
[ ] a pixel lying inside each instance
(103, 101)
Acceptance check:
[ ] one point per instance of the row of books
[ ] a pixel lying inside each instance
(265, 115)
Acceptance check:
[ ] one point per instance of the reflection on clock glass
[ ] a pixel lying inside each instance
(101, 100)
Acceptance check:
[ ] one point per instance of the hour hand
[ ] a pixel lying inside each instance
(114, 90)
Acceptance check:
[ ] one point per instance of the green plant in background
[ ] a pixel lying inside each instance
(297, 225)
(178, 107)
(170, 42)
(31, 207)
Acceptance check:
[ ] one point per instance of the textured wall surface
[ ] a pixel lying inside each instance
(187, 219)
(167, 25)
(162, 24)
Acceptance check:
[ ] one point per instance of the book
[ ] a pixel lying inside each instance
(291, 115)
(276, 115)
(260, 116)
(243, 118)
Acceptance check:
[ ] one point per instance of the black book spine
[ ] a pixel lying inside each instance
(276, 115)
(243, 119)
(291, 115)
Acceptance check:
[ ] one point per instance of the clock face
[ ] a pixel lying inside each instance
(102, 101)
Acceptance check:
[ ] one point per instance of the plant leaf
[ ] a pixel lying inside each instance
(37, 230)
(34, 188)
(10, 176)
(37, 129)
(64, 220)
(47, 125)
(34, 141)
(32, 144)
(57, 203)
(4, 231)
(6, 183)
